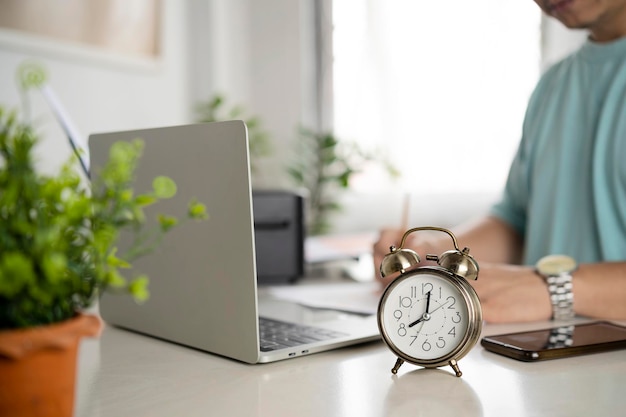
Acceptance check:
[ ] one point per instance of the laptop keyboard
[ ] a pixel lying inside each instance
(276, 334)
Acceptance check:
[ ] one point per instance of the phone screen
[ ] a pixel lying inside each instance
(558, 341)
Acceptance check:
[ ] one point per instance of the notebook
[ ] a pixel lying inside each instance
(203, 284)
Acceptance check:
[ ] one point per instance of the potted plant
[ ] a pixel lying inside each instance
(323, 166)
(57, 254)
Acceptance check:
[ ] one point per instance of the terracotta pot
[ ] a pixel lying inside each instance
(38, 367)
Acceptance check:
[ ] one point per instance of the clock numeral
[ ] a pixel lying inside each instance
(452, 331)
(427, 287)
(456, 318)
(427, 346)
(402, 330)
(413, 291)
(405, 302)
(397, 314)
(412, 341)
(441, 343)
(451, 306)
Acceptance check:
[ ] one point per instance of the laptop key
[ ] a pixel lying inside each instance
(276, 334)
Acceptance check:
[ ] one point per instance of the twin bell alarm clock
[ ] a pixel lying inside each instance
(429, 315)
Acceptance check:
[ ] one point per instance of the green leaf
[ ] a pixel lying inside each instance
(115, 262)
(164, 187)
(344, 178)
(126, 195)
(139, 289)
(167, 222)
(145, 200)
(31, 75)
(197, 211)
(297, 175)
(217, 101)
(114, 279)
(54, 266)
(16, 272)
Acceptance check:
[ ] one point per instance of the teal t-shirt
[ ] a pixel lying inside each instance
(566, 190)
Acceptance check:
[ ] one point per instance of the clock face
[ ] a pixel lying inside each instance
(427, 316)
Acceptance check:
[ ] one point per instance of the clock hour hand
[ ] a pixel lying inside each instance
(425, 316)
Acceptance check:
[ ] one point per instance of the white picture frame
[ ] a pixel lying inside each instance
(110, 32)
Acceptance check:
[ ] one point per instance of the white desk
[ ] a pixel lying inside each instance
(125, 374)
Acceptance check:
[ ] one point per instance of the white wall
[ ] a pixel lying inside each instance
(558, 41)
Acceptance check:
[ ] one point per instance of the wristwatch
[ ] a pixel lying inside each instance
(557, 271)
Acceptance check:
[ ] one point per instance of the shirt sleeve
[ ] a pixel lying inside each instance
(511, 208)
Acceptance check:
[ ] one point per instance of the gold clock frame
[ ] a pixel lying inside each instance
(470, 338)
(457, 267)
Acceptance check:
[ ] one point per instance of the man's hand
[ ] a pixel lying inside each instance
(511, 293)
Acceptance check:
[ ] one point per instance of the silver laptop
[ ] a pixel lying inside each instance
(203, 286)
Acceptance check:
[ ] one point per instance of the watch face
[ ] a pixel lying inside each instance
(429, 316)
(556, 264)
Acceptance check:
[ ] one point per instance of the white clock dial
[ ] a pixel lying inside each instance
(425, 316)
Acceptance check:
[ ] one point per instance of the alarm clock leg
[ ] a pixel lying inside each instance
(455, 367)
(397, 366)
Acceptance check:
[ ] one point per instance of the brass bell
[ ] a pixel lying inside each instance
(460, 263)
(398, 260)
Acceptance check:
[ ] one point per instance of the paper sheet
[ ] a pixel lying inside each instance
(354, 297)
(328, 248)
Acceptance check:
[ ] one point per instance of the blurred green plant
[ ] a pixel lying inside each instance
(324, 165)
(58, 239)
(215, 109)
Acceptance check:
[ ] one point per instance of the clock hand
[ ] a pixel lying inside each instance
(426, 316)
(441, 306)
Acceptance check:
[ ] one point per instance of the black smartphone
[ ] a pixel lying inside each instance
(558, 342)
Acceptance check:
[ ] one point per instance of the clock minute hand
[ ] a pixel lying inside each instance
(428, 301)
(426, 316)
(441, 306)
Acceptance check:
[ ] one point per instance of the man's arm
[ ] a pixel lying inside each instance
(489, 240)
(600, 290)
(513, 293)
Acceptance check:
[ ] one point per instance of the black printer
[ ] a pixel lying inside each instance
(279, 229)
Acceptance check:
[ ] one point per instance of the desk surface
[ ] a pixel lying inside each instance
(126, 374)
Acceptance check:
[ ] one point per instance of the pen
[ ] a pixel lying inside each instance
(404, 221)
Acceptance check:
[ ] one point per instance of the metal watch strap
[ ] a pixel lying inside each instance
(561, 296)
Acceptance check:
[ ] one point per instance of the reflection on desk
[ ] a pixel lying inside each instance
(126, 374)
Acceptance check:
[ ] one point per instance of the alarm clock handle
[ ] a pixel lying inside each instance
(433, 228)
